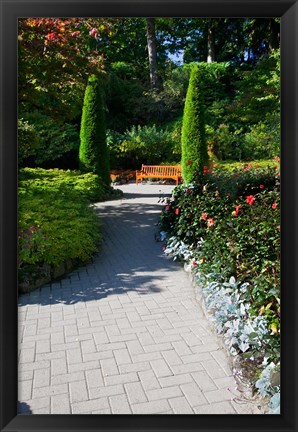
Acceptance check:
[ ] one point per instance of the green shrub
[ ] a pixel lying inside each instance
(28, 140)
(141, 145)
(193, 139)
(263, 139)
(45, 139)
(93, 152)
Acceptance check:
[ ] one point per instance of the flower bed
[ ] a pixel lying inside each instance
(225, 226)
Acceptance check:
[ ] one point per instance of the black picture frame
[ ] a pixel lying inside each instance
(12, 10)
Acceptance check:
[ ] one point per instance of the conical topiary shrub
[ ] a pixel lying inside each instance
(93, 152)
(193, 138)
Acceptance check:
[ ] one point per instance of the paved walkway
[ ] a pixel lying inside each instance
(125, 333)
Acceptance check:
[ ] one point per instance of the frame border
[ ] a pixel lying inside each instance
(10, 10)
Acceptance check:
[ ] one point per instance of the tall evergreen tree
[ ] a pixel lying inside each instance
(93, 152)
(193, 138)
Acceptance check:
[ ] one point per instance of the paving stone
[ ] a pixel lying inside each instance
(172, 358)
(24, 390)
(89, 406)
(204, 381)
(119, 404)
(149, 380)
(121, 379)
(180, 405)
(109, 367)
(181, 348)
(112, 390)
(193, 394)
(176, 380)
(218, 395)
(215, 408)
(50, 390)
(60, 404)
(164, 393)
(78, 391)
(67, 378)
(161, 369)
(152, 407)
(213, 369)
(135, 393)
(122, 357)
(41, 377)
(94, 378)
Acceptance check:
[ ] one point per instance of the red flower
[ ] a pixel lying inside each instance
(204, 216)
(249, 166)
(167, 208)
(51, 36)
(194, 263)
(210, 222)
(238, 207)
(262, 186)
(177, 211)
(250, 199)
(189, 162)
(274, 205)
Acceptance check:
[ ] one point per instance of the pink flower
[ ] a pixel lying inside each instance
(177, 211)
(167, 208)
(93, 33)
(262, 186)
(210, 222)
(274, 205)
(204, 216)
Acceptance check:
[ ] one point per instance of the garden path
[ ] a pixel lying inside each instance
(125, 333)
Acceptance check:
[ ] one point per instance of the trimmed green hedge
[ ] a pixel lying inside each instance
(193, 136)
(93, 153)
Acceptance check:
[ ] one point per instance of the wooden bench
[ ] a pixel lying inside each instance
(159, 171)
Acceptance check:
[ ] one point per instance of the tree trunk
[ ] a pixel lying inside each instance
(210, 44)
(274, 34)
(152, 52)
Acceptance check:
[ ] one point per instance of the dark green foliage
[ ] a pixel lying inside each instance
(43, 140)
(143, 145)
(193, 139)
(93, 152)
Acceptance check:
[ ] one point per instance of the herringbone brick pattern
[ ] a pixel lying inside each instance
(123, 335)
